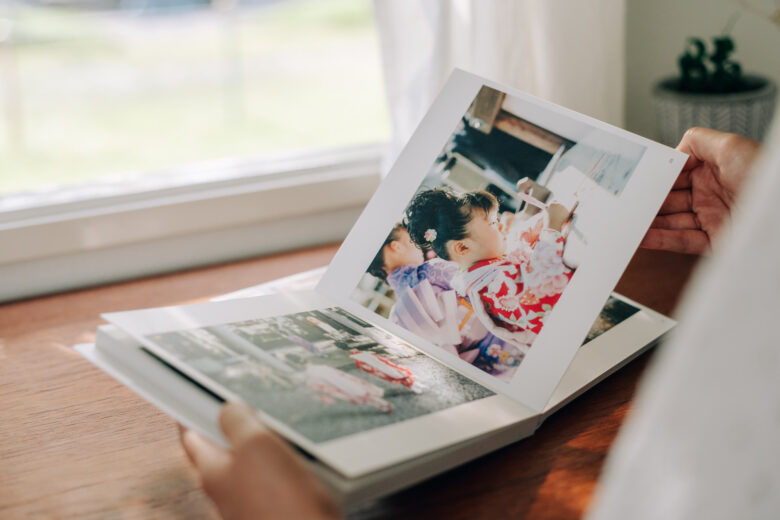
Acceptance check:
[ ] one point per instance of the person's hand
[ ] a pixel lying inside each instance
(703, 195)
(558, 215)
(260, 476)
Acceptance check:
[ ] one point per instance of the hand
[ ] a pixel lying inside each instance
(260, 476)
(702, 197)
(558, 215)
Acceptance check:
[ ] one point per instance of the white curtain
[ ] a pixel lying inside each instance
(570, 52)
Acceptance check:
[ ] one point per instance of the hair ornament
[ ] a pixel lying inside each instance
(430, 235)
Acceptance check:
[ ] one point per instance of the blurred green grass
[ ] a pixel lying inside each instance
(111, 95)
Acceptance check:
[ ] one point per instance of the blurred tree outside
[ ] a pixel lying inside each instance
(128, 87)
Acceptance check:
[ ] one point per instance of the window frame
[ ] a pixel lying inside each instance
(249, 208)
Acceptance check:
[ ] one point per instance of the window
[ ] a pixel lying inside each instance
(145, 107)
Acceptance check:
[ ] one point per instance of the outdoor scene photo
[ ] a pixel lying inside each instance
(325, 374)
(497, 229)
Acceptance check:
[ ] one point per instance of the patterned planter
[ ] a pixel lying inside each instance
(746, 113)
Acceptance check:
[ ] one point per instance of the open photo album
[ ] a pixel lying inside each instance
(472, 298)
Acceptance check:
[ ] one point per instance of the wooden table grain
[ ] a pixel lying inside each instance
(76, 444)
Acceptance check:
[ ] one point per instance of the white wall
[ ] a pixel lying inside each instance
(656, 31)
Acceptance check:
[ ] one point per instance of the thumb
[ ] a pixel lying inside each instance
(702, 145)
(206, 456)
(239, 422)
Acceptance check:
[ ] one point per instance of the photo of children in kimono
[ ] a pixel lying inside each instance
(323, 373)
(494, 234)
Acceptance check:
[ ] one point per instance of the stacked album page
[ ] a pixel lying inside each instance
(483, 262)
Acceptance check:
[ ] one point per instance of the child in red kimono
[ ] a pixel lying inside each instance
(511, 291)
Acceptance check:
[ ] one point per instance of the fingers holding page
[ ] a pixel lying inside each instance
(701, 144)
(678, 201)
(688, 241)
(683, 180)
(239, 423)
(247, 434)
(210, 460)
(676, 221)
(727, 157)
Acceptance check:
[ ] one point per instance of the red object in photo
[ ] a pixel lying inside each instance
(383, 368)
(332, 384)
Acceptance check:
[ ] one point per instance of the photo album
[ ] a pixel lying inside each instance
(471, 299)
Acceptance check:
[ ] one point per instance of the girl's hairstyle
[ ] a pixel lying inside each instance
(434, 217)
(377, 266)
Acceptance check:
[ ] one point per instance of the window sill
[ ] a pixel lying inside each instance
(261, 208)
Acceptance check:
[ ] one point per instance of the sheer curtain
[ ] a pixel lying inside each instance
(566, 51)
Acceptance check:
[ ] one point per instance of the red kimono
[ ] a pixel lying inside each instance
(517, 291)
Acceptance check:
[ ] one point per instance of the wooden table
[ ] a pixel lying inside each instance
(74, 443)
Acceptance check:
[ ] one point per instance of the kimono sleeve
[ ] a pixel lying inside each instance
(545, 274)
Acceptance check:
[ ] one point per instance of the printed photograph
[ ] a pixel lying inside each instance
(497, 229)
(325, 374)
(613, 313)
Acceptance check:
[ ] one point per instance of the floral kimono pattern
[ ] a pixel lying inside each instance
(438, 272)
(518, 291)
(427, 304)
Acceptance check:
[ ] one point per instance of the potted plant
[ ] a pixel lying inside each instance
(712, 91)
